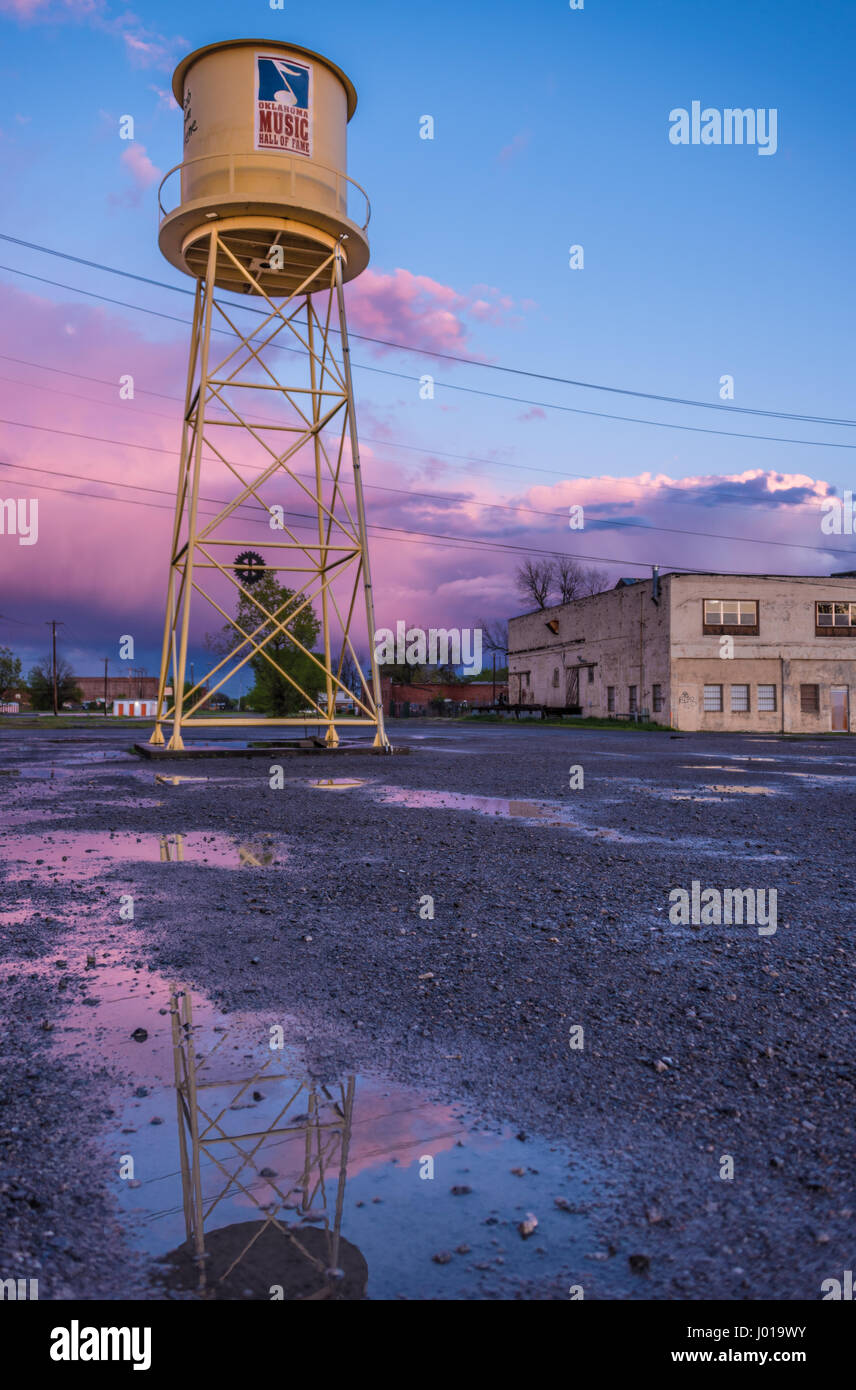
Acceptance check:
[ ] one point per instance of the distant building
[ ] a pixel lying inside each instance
(343, 702)
(716, 652)
(118, 688)
(400, 701)
(137, 709)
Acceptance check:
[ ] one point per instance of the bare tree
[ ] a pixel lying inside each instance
(350, 676)
(574, 580)
(594, 581)
(534, 580)
(570, 578)
(494, 635)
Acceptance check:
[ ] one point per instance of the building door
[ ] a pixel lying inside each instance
(572, 686)
(839, 706)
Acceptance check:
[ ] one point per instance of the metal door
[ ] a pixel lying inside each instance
(839, 707)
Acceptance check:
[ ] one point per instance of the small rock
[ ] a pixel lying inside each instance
(527, 1225)
(640, 1264)
(139, 1035)
(460, 1190)
(442, 1257)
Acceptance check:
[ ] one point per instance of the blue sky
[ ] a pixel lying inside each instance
(551, 129)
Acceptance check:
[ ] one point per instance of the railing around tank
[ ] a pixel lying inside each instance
(288, 173)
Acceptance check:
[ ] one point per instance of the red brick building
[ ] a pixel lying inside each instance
(118, 688)
(399, 701)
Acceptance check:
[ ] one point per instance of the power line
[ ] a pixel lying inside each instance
(564, 474)
(406, 492)
(410, 535)
(452, 357)
(450, 386)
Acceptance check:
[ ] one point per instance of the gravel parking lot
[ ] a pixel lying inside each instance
(442, 928)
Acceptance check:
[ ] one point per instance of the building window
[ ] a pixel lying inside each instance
(657, 698)
(556, 675)
(832, 619)
(731, 615)
(739, 699)
(610, 699)
(631, 690)
(713, 699)
(591, 675)
(766, 697)
(810, 699)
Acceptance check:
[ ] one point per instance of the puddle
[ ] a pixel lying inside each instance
(547, 813)
(244, 1171)
(82, 854)
(337, 784)
(745, 791)
(551, 813)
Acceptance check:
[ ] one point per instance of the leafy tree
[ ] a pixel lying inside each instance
(40, 684)
(10, 671)
(272, 694)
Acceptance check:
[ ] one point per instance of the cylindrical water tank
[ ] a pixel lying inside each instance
(265, 158)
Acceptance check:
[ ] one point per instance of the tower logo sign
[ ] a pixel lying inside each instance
(283, 105)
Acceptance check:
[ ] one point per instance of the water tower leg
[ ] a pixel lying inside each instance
(332, 738)
(168, 651)
(380, 739)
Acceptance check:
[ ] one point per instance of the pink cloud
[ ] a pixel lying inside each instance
(143, 174)
(399, 306)
(50, 9)
(516, 147)
(144, 46)
(100, 563)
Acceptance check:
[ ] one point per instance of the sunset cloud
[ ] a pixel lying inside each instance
(104, 548)
(143, 174)
(414, 309)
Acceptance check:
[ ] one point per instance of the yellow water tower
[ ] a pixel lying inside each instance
(261, 209)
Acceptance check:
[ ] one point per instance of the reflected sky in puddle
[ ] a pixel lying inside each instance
(552, 813)
(244, 1172)
(745, 790)
(83, 854)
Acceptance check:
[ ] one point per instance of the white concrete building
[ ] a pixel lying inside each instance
(136, 709)
(716, 652)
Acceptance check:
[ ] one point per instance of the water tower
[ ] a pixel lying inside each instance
(262, 214)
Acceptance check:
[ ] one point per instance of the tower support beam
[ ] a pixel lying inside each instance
(261, 405)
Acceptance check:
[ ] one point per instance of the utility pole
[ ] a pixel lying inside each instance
(53, 624)
(106, 659)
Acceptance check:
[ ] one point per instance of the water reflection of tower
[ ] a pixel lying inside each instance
(293, 1248)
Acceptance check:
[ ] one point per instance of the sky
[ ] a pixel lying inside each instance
(551, 131)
